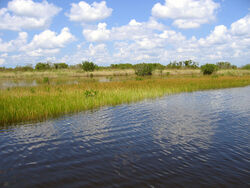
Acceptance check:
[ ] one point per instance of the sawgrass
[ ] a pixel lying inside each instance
(28, 104)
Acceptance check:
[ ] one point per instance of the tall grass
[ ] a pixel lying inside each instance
(46, 101)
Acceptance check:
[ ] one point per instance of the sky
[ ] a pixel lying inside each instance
(124, 31)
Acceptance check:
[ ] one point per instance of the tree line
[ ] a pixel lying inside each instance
(90, 66)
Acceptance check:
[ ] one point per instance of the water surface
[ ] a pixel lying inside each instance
(198, 139)
(14, 82)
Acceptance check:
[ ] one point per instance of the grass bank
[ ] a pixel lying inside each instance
(28, 104)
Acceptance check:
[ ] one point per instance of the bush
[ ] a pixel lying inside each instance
(24, 68)
(60, 66)
(88, 66)
(157, 66)
(42, 66)
(143, 69)
(247, 66)
(225, 65)
(121, 66)
(188, 64)
(208, 69)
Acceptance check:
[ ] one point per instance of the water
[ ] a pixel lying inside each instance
(196, 139)
(10, 83)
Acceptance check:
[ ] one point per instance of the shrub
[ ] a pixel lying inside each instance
(247, 66)
(88, 66)
(24, 68)
(143, 69)
(225, 65)
(60, 66)
(208, 68)
(188, 64)
(42, 66)
(121, 66)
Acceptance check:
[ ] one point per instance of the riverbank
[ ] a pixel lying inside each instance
(28, 104)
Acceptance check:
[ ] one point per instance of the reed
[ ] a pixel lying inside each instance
(28, 104)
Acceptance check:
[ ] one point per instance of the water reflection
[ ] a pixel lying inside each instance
(200, 137)
(9, 83)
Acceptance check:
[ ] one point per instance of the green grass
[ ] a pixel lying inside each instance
(28, 104)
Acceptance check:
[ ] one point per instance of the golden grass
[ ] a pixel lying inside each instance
(46, 101)
(65, 73)
(109, 72)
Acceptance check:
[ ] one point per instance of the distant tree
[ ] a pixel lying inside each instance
(121, 66)
(43, 66)
(88, 66)
(189, 64)
(208, 69)
(247, 67)
(60, 66)
(225, 65)
(27, 67)
(143, 69)
(157, 66)
(174, 65)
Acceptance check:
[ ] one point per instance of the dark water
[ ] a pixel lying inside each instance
(199, 139)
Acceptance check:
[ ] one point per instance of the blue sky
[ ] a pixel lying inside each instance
(118, 31)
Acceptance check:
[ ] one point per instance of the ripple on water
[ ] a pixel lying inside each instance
(190, 139)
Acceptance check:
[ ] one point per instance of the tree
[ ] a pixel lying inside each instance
(88, 66)
(224, 65)
(143, 69)
(247, 67)
(208, 69)
(42, 66)
(60, 66)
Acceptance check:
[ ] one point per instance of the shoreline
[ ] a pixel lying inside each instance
(39, 103)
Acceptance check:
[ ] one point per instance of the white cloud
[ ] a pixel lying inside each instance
(26, 14)
(148, 45)
(132, 31)
(48, 42)
(4, 55)
(14, 45)
(219, 35)
(242, 26)
(84, 12)
(97, 49)
(97, 53)
(100, 34)
(2, 61)
(186, 13)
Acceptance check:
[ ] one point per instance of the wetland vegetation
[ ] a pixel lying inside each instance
(63, 90)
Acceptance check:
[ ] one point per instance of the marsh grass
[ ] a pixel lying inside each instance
(26, 104)
(59, 73)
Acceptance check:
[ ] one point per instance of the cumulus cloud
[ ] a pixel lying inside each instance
(14, 45)
(27, 14)
(132, 31)
(48, 42)
(84, 12)
(2, 61)
(100, 34)
(242, 26)
(186, 13)
(135, 42)
(97, 53)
